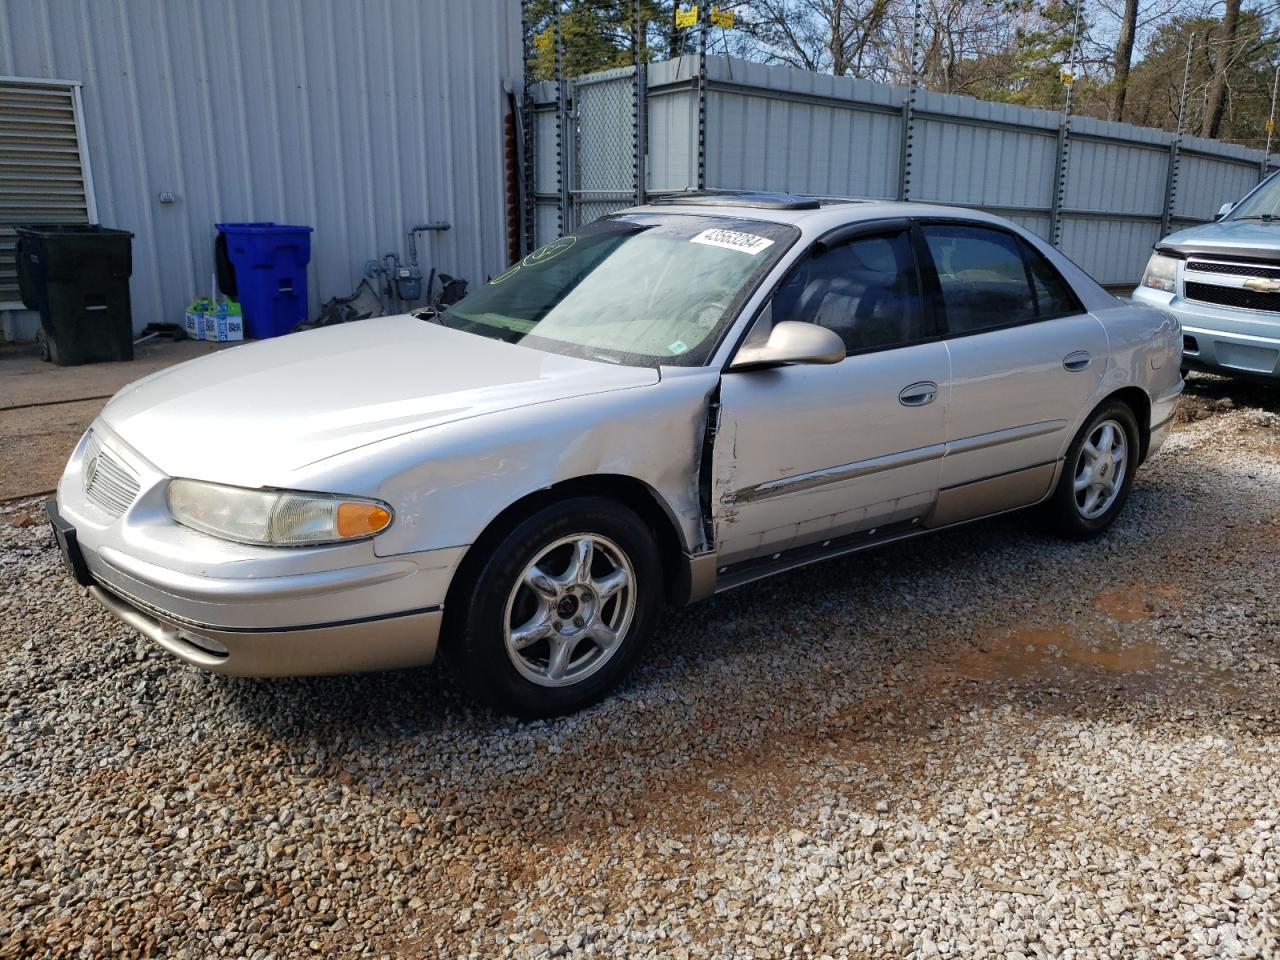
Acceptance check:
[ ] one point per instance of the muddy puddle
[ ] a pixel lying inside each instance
(1133, 603)
(1098, 647)
(1031, 651)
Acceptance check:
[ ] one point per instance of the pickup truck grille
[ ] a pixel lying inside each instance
(107, 482)
(1234, 269)
(1232, 297)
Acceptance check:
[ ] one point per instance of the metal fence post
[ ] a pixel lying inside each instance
(1064, 140)
(704, 22)
(1175, 149)
(1059, 184)
(562, 172)
(1271, 125)
(909, 109)
(529, 208)
(639, 103)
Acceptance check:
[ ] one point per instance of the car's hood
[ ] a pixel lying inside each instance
(1256, 239)
(252, 414)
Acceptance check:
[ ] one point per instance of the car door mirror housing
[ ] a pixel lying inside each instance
(1224, 210)
(791, 342)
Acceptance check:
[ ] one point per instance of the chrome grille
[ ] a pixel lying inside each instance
(107, 481)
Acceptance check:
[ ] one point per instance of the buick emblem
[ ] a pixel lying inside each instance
(90, 471)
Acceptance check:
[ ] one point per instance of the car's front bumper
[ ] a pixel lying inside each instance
(384, 643)
(245, 610)
(1243, 343)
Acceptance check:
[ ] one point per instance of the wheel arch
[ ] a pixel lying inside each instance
(1136, 399)
(629, 492)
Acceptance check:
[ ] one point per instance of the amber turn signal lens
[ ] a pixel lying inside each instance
(361, 519)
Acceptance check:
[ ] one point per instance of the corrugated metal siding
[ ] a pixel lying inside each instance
(1112, 251)
(1205, 184)
(827, 136)
(1105, 175)
(357, 118)
(41, 180)
(673, 126)
(995, 167)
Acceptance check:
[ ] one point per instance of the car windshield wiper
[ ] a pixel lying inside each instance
(1265, 217)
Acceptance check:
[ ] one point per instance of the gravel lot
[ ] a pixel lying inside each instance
(983, 744)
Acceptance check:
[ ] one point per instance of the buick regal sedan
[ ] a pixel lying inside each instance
(673, 401)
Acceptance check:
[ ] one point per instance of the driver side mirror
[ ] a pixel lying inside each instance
(1225, 209)
(791, 342)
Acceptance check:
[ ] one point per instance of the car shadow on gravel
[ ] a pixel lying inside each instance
(1208, 393)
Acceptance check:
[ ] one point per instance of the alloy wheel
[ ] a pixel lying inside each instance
(1100, 469)
(569, 611)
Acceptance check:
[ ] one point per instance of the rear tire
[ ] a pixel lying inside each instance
(1097, 473)
(559, 610)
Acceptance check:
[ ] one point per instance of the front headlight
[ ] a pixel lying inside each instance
(1161, 273)
(277, 518)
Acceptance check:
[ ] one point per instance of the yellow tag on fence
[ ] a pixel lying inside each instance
(1269, 126)
(1066, 76)
(687, 18)
(722, 18)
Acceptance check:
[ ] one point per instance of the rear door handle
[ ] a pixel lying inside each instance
(918, 394)
(1079, 360)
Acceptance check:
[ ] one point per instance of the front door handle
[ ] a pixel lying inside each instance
(1079, 360)
(918, 394)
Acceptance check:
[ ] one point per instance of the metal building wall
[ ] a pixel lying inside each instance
(357, 117)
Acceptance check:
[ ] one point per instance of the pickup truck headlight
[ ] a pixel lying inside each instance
(276, 518)
(1161, 273)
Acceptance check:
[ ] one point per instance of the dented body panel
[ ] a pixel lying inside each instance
(814, 452)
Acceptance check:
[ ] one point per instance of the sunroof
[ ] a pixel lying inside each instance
(765, 201)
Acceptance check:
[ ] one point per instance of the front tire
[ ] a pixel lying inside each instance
(1097, 473)
(559, 610)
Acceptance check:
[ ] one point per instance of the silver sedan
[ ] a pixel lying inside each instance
(673, 401)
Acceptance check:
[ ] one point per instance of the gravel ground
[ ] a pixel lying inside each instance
(983, 744)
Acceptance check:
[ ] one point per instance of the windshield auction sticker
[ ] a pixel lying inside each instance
(733, 240)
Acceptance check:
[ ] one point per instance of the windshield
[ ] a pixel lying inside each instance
(1263, 204)
(640, 289)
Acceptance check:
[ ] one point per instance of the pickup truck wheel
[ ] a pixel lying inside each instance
(1097, 473)
(560, 609)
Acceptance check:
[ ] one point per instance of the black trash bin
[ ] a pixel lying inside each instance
(77, 277)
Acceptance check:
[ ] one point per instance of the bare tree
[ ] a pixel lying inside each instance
(1124, 57)
(1217, 95)
(825, 35)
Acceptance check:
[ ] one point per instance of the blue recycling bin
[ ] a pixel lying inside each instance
(270, 261)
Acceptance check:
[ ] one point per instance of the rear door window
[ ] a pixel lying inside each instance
(983, 279)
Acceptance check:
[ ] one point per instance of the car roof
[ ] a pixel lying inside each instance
(810, 214)
(830, 213)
